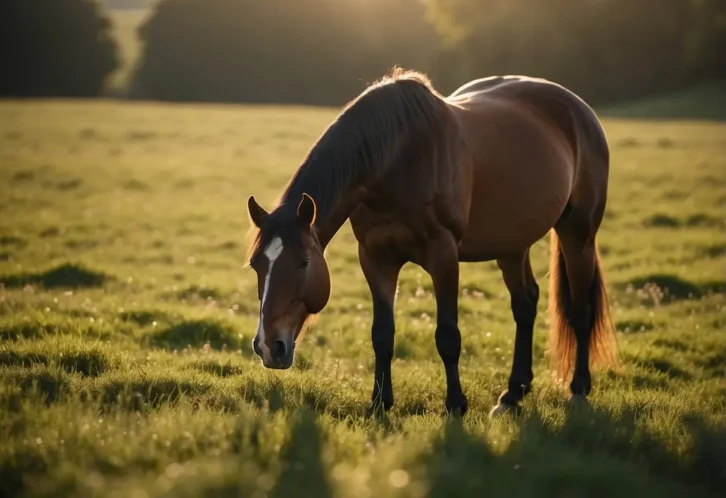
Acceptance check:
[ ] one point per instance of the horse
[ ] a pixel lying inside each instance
(479, 175)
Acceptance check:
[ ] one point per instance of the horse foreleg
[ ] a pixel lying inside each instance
(382, 277)
(524, 292)
(442, 263)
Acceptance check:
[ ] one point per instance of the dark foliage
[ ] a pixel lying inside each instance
(317, 51)
(605, 50)
(54, 48)
(127, 4)
(325, 51)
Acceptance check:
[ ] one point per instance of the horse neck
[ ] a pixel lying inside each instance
(338, 181)
(328, 226)
(359, 149)
(333, 208)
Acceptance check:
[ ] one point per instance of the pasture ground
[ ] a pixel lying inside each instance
(126, 319)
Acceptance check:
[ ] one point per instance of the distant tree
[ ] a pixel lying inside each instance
(706, 48)
(128, 4)
(606, 50)
(54, 48)
(312, 51)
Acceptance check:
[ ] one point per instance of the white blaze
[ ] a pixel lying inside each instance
(272, 252)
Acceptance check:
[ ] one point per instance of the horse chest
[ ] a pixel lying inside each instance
(383, 234)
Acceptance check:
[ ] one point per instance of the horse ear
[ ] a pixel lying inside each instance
(257, 212)
(307, 210)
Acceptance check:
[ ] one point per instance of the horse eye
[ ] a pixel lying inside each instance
(303, 264)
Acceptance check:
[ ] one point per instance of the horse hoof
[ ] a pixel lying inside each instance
(374, 412)
(456, 411)
(377, 410)
(505, 409)
(458, 408)
(578, 401)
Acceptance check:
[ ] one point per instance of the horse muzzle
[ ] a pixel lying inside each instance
(280, 354)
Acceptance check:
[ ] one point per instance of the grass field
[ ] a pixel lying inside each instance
(126, 319)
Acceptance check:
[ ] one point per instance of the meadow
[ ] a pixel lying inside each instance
(126, 320)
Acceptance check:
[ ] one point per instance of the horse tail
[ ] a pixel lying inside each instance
(562, 340)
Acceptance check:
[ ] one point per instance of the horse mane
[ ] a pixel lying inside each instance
(358, 147)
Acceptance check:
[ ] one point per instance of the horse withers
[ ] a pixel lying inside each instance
(479, 175)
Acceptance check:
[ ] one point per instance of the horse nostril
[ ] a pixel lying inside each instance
(278, 349)
(256, 347)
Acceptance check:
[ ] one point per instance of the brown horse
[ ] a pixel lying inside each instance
(480, 175)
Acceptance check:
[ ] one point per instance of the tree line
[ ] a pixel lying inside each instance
(58, 48)
(326, 51)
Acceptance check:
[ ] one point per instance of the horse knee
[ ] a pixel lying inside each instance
(382, 340)
(382, 335)
(534, 293)
(383, 348)
(524, 307)
(581, 319)
(448, 341)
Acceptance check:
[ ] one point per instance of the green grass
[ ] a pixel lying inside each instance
(126, 319)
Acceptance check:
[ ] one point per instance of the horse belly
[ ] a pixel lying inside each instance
(509, 234)
(515, 203)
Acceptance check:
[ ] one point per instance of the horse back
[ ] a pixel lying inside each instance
(533, 141)
(551, 102)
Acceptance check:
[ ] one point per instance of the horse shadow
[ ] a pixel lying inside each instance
(587, 451)
(303, 472)
(592, 453)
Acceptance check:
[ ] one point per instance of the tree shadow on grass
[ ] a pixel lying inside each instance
(215, 367)
(87, 362)
(593, 453)
(666, 288)
(196, 333)
(146, 393)
(69, 275)
(145, 317)
(49, 384)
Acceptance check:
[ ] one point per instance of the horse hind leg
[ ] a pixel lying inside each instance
(524, 293)
(578, 307)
